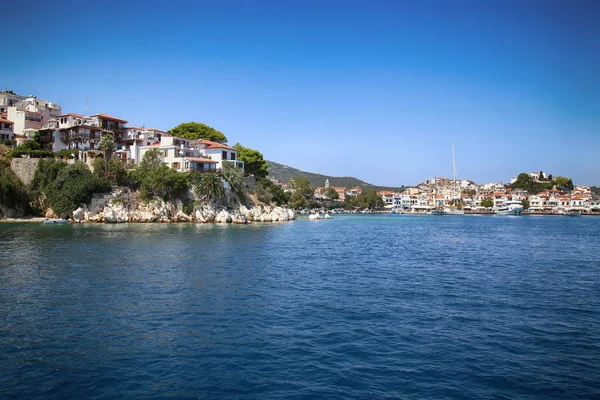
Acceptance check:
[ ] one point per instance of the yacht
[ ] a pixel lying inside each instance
(510, 208)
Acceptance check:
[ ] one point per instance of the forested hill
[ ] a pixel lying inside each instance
(284, 173)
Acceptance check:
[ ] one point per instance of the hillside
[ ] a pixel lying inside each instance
(284, 173)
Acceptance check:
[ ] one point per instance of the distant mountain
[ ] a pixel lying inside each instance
(284, 173)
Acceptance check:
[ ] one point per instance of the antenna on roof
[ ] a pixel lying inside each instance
(86, 106)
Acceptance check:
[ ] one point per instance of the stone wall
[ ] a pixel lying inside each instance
(24, 168)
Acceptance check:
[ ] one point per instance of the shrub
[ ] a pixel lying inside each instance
(163, 182)
(73, 186)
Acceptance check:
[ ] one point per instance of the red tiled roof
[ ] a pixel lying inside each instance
(212, 145)
(5, 121)
(72, 115)
(201, 160)
(104, 116)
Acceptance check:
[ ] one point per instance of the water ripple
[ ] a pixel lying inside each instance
(355, 307)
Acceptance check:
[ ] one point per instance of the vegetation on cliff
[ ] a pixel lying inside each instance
(525, 182)
(64, 187)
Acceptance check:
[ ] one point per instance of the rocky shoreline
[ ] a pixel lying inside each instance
(124, 207)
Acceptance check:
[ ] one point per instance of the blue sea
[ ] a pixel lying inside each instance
(361, 307)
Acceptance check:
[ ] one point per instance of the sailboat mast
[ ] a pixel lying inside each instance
(454, 171)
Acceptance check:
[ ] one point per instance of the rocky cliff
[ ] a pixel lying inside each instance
(124, 206)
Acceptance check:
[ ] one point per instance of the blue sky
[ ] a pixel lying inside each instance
(379, 90)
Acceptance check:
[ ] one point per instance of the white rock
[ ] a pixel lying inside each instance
(223, 217)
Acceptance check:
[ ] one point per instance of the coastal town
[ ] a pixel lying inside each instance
(444, 193)
(23, 118)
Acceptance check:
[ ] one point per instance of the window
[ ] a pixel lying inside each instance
(233, 156)
(166, 153)
(224, 155)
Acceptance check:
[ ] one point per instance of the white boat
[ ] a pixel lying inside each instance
(314, 216)
(437, 211)
(510, 208)
(572, 213)
(54, 221)
(454, 211)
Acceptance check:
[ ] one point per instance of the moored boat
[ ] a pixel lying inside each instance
(572, 213)
(510, 208)
(47, 221)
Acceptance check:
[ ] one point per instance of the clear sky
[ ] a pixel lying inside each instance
(379, 90)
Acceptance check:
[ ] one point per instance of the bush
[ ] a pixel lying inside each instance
(209, 186)
(65, 187)
(163, 182)
(268, 192)
(74, 185)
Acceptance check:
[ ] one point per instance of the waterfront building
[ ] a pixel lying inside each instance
(6, 129)
(186, 155)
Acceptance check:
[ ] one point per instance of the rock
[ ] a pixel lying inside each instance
(223, 217)
(51, 214)
(182, 217)
(79, 214)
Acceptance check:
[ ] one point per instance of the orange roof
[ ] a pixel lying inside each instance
(201, 160)
(104, 116)
(72, 115)
(212, 145)
(385, 193)
(5, 121)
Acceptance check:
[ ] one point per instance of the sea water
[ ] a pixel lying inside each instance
(387, 306)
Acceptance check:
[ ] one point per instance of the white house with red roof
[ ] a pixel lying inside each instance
(186, 155)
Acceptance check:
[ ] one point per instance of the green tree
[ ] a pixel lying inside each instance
(197, 130)
(350, 202)
(107, 145)
(236, 181)
(563, 182)
(268, 192)
(525, 203)
(209, 186)
(302, 186)
(74, 184)
(152, 160)
(487, 202)
(331, 194)
(297, 200)
(469, 192)
(165, 183)
(254, 164)
(370, 199)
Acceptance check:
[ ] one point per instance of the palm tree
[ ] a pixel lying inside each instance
(107, 145)
(210, 187)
